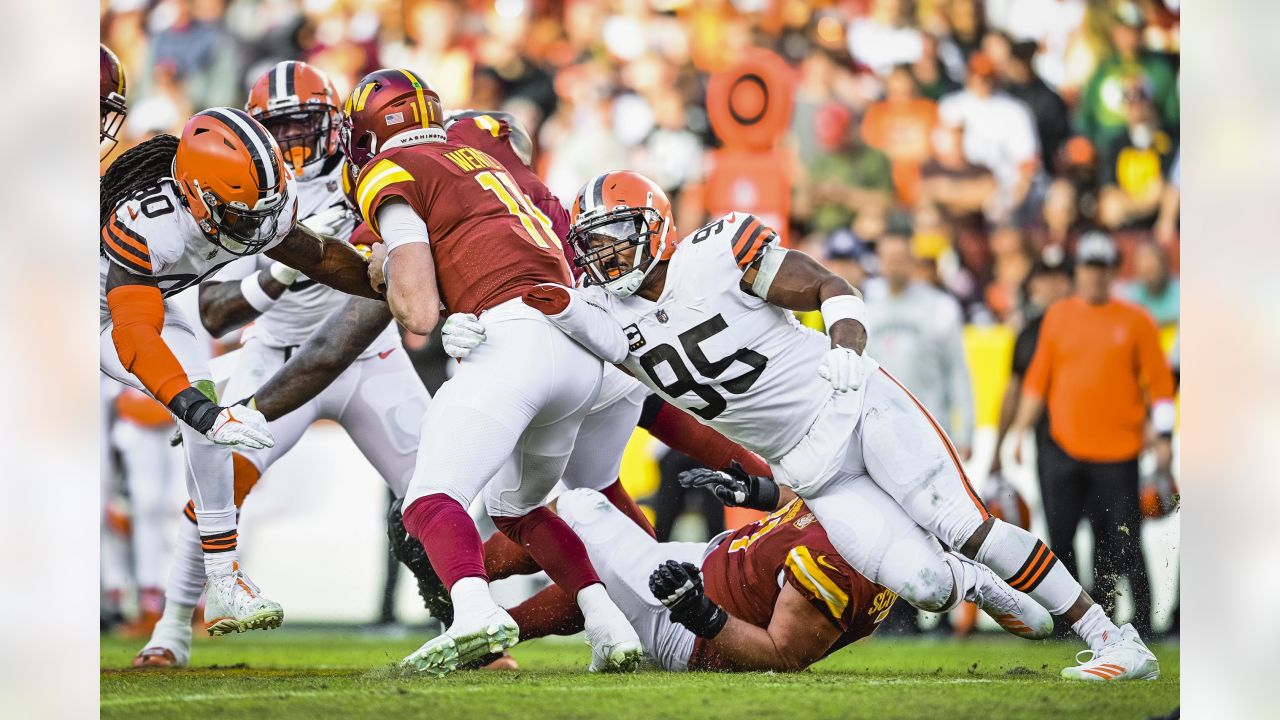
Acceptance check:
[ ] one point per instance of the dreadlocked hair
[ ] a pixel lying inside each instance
(142, 166)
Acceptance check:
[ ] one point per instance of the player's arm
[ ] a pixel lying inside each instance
(798, 635)
(795, 281)
(402, 265)
(735, 487)
(137, 317)
(229, 304)
(329, 351)
(326, 259)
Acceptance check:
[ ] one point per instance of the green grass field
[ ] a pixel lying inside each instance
(343, 674)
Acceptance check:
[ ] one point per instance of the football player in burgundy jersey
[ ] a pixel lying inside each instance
(771, 595)
(458, 231)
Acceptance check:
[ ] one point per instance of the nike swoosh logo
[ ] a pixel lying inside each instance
(383, 355)
(822, 560)
(133, 214)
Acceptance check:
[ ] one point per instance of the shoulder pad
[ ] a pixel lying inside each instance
(144, 233)
(744, 235)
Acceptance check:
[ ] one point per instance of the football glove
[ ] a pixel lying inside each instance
(843, 368)
(734, 486)
(679, 587)
(460, 334)
(238, 425)
(327, 221)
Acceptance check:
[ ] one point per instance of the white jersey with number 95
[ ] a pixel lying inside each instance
(742, 366)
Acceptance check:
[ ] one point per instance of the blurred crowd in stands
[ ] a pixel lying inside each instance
(989, 134)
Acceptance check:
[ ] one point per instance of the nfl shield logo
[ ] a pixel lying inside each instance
(662, 316)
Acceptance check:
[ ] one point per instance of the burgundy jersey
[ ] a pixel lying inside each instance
(488, 241)
(746, 572)
(491, 134)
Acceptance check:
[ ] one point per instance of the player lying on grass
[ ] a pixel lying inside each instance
(706, 322)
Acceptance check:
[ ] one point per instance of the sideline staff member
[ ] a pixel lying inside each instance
(1097, 369)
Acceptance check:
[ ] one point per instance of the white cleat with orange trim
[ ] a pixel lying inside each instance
(1126, 658)
(234, 604)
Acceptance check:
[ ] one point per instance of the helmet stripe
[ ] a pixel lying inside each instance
(597, 191)
(255, 140)
(425, 110)
(277, 81)
(291, 69)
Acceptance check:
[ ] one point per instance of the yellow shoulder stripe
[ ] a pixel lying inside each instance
(372, 182)
(488, 124)
(815, 580)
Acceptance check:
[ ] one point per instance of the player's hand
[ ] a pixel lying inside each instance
(242, 426)
(734, 486)
(548, 298)
(678, 586)
(327, 221)
(843, 368)
(283, 274)
(377, 264)
(460, 334)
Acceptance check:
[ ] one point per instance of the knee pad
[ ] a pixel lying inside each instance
(581, 506)
(922, 576)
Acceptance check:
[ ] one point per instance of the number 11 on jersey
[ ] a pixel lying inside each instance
(534, 221)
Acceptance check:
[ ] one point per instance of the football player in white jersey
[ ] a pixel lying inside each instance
(378, 398)
(706, 322)
(173, 211)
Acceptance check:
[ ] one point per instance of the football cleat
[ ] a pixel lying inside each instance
(465, 642)
(407, 549)
(234, 604)
(1125, 658)
(1012, 610)
(619, 657)
(160, 657)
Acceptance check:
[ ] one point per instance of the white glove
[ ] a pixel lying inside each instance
(327, 221)
(283, 274)
(844, 369)
(461, 333)
(243, 426)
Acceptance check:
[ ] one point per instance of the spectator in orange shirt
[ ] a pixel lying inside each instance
(900, 126)
(1099, 370)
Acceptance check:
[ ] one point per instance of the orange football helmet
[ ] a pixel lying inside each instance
(1005, 502)
(233, 179)
(298, 105)
(110, 99)
(614, 213)
(389, 108)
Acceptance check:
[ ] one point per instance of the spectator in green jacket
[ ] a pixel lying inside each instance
(1101, 113)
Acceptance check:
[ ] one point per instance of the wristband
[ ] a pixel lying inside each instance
(844, 307)
(284, 274)
(764, 494)
(253, 293)
(704, 619)
(1163, 416)
(193, 408)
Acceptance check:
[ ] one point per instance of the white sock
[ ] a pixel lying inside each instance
(471, 597)
(599, 612)
(218, 539)
(174, 625)
(1023, 561)
(1096, 628)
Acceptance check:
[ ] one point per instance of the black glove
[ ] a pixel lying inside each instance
(734, 487)
(679, 587)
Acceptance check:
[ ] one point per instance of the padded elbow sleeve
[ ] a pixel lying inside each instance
(137, 317)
